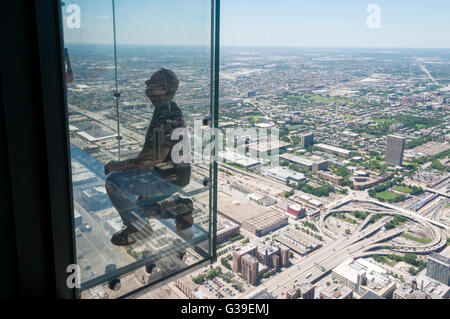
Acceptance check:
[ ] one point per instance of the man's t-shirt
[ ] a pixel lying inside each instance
(165, 120)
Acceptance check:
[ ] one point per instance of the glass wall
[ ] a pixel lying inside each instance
(139, 83)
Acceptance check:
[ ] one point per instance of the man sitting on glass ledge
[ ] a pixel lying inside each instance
(139, 188)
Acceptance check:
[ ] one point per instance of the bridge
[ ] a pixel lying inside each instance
(435, 191)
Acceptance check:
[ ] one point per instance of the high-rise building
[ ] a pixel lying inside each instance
(438, 268)
(395, 146)
(307, 139)
(250, 269)
(239, 252)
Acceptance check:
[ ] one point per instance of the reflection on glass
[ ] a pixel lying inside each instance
(138, 187)
(141, 209)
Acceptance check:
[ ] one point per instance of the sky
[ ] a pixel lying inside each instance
(265, 23)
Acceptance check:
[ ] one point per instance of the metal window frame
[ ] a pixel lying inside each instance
(35, 144)
(55, 117)
(51, 59)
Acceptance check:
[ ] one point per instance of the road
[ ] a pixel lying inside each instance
(355, 245)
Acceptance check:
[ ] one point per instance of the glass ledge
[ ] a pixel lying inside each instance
(111, 105)
(172, 254)
(157, 253)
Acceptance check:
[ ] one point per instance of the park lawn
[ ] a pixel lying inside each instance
(403, 189)
(317, 98)
(345, 218)
(416, 239)
(294, 127)
(387, 196)
(420, 126)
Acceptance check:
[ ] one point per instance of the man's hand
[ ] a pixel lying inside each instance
(111, 167)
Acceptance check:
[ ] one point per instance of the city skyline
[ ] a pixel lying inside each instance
(403, 24)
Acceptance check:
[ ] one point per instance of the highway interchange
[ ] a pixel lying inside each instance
(368, 240)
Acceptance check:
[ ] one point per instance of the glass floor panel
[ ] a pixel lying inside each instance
(101, 261)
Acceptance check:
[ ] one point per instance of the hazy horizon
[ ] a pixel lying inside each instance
(267, 23)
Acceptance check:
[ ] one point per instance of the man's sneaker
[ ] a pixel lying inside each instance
(129, 235)
(124, 237)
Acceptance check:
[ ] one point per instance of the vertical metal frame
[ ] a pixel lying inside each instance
(50, 47)
(215, 58)
(36, 136)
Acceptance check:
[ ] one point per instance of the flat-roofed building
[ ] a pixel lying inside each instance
(261, 294)
(187, 286)
(239, 210)
(438, 268)
(265, 223)
(304, 290)
(298, 160)
(95, 198)
(193, 188)
(305, 199)
(328, 176)
(236, 158)
(336, 291)
(334, 150)
(314, 163)
(285, 175)
(298, 241)
(262, 199)
(226, 230)
(361, 275)
(395, 146)
(422, 287)
(267, 148)
(296, 210)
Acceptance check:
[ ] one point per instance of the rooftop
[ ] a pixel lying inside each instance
(377, 277)
(333, 148)
(261, 294)
(440, 258)
(285, 173)
(297, 159)
(336, 291)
